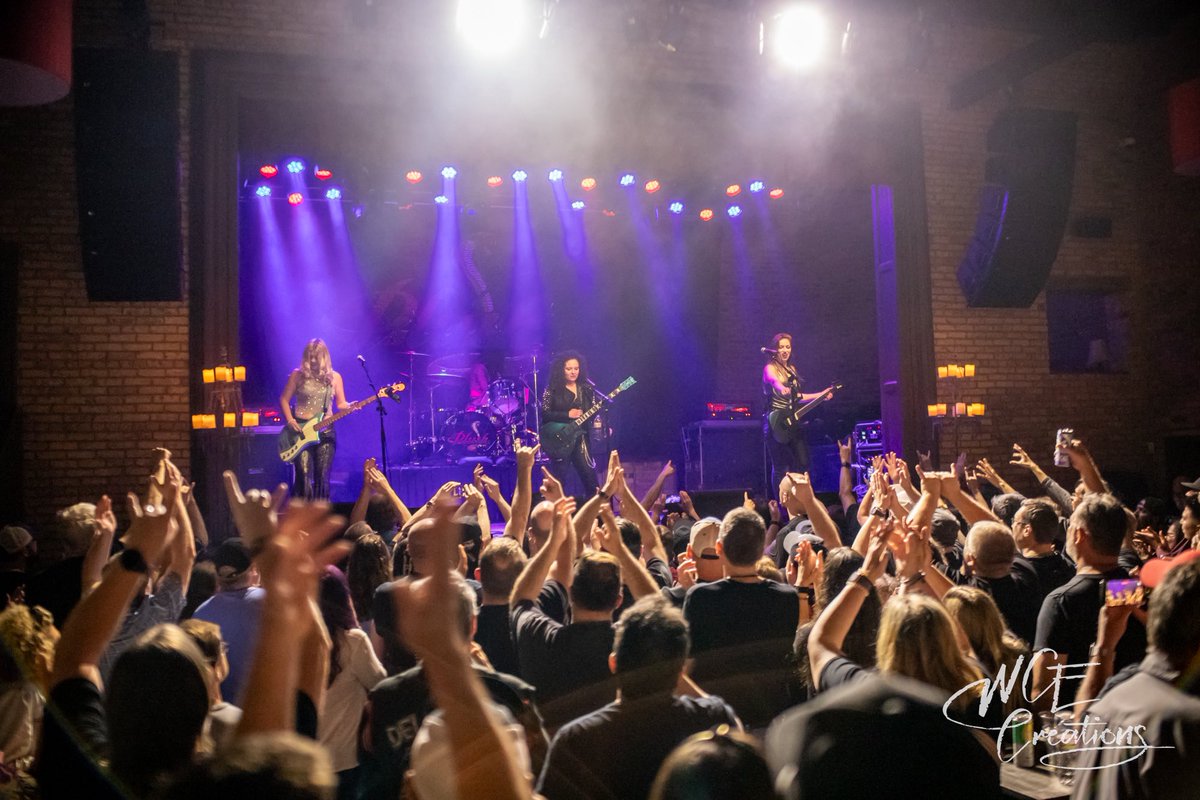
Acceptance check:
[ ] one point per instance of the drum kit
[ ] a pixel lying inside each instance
(459, 412)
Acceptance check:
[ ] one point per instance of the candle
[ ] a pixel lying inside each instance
(960, 409)
(969, 370)
(210, 421)
(208, 376)
(229, 420)
(941, 409)
(220, 373)
(972, 409)
(250, 419)
(953, 369)
(932, 409)
(942, 372)
(197, 421)
(981, 408)
(239, 374)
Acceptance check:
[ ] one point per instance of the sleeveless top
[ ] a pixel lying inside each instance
(774, 400)
(312, 397)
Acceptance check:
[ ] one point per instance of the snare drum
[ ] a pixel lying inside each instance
(506, 398)
(468, 433)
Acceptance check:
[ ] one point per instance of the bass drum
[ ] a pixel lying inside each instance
(506, 398)
(468, 433)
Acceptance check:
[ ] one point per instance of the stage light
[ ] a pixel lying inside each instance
(520, 175)
(441, 199)
(495, 181)
(578, 205)
(776, 194)
(627, 179)
(449, 172)
(587, 184)
(555, 175)
(358, 212)
(795, 37)
(295, 167)
(706, 214)
(756, 187)
(323, 174)
(295, 198)
(412, 176)
(734, 211)
(493, 27)
(268, 170)
(652, 187)
(733, 190)
(676, 207)
(263, 191)
(333, 194)
(608, 212)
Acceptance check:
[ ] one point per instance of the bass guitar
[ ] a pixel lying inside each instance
(784, 422)
(558, 438)
(291, 443)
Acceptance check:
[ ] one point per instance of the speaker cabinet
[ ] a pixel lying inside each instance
(1022, 208)
(127, 171)
(724, 454)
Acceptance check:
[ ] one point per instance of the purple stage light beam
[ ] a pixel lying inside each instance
(527, 320)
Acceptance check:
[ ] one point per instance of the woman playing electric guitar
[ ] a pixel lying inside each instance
(564, 400)
(781, 389)
(314, 386)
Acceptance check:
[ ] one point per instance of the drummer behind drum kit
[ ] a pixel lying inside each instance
(447, 423)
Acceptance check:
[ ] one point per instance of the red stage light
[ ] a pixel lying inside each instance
(323, 174)
(706, 214)
(608, 212)
(776, 194)
(495, 181)
(733, 190)
(652, 187)
(587, 184)
(295, 198)
(413, 176)
(268, 170)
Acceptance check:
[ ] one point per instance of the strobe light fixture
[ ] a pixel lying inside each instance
(495, 27)
(795, 36)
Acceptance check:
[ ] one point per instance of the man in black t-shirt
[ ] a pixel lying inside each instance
(742, 626)
(1068, 617)
(989, 557)
(500, 563)
(1036, 527)
(617, 750)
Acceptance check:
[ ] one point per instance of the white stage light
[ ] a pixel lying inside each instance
(796, 37)
(493, 27)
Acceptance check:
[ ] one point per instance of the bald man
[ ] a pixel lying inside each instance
(990, 561)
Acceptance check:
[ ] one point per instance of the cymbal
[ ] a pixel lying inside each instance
(411, 353)
(455, 361)
(446, 376)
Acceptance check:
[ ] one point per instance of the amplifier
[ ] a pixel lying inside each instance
(724, 454)
(868, 436)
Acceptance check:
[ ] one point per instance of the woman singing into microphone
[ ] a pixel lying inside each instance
(564, 400)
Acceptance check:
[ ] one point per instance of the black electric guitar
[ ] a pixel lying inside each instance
(785, 422)
(291, 443)
(558, 438)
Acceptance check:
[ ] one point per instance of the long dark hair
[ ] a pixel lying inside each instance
(369, 566)
(558, 381)
(338, 613)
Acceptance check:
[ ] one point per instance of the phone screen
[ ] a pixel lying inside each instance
(1123, 592)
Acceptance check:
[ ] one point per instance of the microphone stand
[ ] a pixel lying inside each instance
(382, 413)
(598, 393)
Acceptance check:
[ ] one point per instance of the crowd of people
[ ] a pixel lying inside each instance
(907, 642)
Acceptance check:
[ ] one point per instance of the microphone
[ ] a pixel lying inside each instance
(361, 360)
(767, 350)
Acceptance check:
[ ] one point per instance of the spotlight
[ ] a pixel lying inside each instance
(263, 191)
(449, 172)
(268, 170)
(652, 187)
(333, 194)
(358, 212)
(627, 179)
(608, 212)
(676, 207)
(295, 198)
(412, 176)
(493, 27)
(520, 175)
(587, 184)
(733, 190)
(795, 37)
(734, 211)
(555, 175)
(323, 174)
(757, 187)
(495, 181)
(441, 199)
(706, 214)
(295, 167)
(776, 194)
(578, 205)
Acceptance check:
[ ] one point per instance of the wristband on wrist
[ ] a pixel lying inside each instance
(846, 465)
(132, 560)
(862, 581)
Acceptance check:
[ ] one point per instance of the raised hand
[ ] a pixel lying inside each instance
(526, 456)
(445, 493)
(685, 575)
(427, 610)
(773, 509)
(810, 566)
(552, 488)
(667, 470)
(972, 478)
(564, 510)
(614, 463)
(877, 549)
(472, 497)
(747, 503)
(105, 522)
(608, 534)
(615, 482)
(292, 558)
(685, 502)
(150, 527)
(877, 464)
(846, 450)
(989, 473)
(368, 469)
(256, 513)
(890, 463)
(1021, 459)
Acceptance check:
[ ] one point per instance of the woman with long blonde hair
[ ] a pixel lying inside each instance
(977, 614)
(314, 386)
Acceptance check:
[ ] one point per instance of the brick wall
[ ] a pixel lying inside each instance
(101, 383)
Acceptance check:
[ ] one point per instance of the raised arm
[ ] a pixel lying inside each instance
(985, 468)
(1085, 465)
(634, 511)
(922, 512)
(359, 512)
(1101, 659)
(103, 530)
(522, 500)
(633, 572)
(489, 487)
(972, 510)
(655, 489)
(563, 570)
(846, 473)
(818, 515)
(537, 569)
(829, 631)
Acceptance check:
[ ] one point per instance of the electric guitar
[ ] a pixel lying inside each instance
(784, 422)
(558, 438)
(291, 443)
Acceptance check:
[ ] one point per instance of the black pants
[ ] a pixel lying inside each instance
(311, 477)
(578, 460)
(787, 457)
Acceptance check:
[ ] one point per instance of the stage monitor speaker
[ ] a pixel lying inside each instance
(127, 173)
(1022, 208)
(724, 454)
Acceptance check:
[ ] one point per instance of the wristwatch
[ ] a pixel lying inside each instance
(133, 561)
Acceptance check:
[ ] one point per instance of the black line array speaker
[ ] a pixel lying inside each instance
(127, 173)
(1022, 208)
